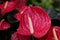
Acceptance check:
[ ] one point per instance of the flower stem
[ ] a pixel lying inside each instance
(32, 38)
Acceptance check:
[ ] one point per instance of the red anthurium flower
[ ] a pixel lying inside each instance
(16, 36)
(4, 25)
(33, 21)
(8, 6)
(54, 33)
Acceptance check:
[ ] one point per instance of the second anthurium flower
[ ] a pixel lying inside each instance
(8, 6)
(4, 25)
(54, 33)
(33, 21)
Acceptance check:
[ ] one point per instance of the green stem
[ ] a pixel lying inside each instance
(32, 38)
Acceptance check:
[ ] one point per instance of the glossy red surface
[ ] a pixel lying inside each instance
(39, 19)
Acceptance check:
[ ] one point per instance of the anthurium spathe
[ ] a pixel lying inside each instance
(8, 6)
(4, 25)
(33, 21)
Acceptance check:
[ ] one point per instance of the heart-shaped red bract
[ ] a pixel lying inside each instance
(4, 25)
(33, 21)
(8, 6)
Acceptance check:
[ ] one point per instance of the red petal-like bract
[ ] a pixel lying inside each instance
(16, 36)
(33, 21)
(8, 6)
(4, 25)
